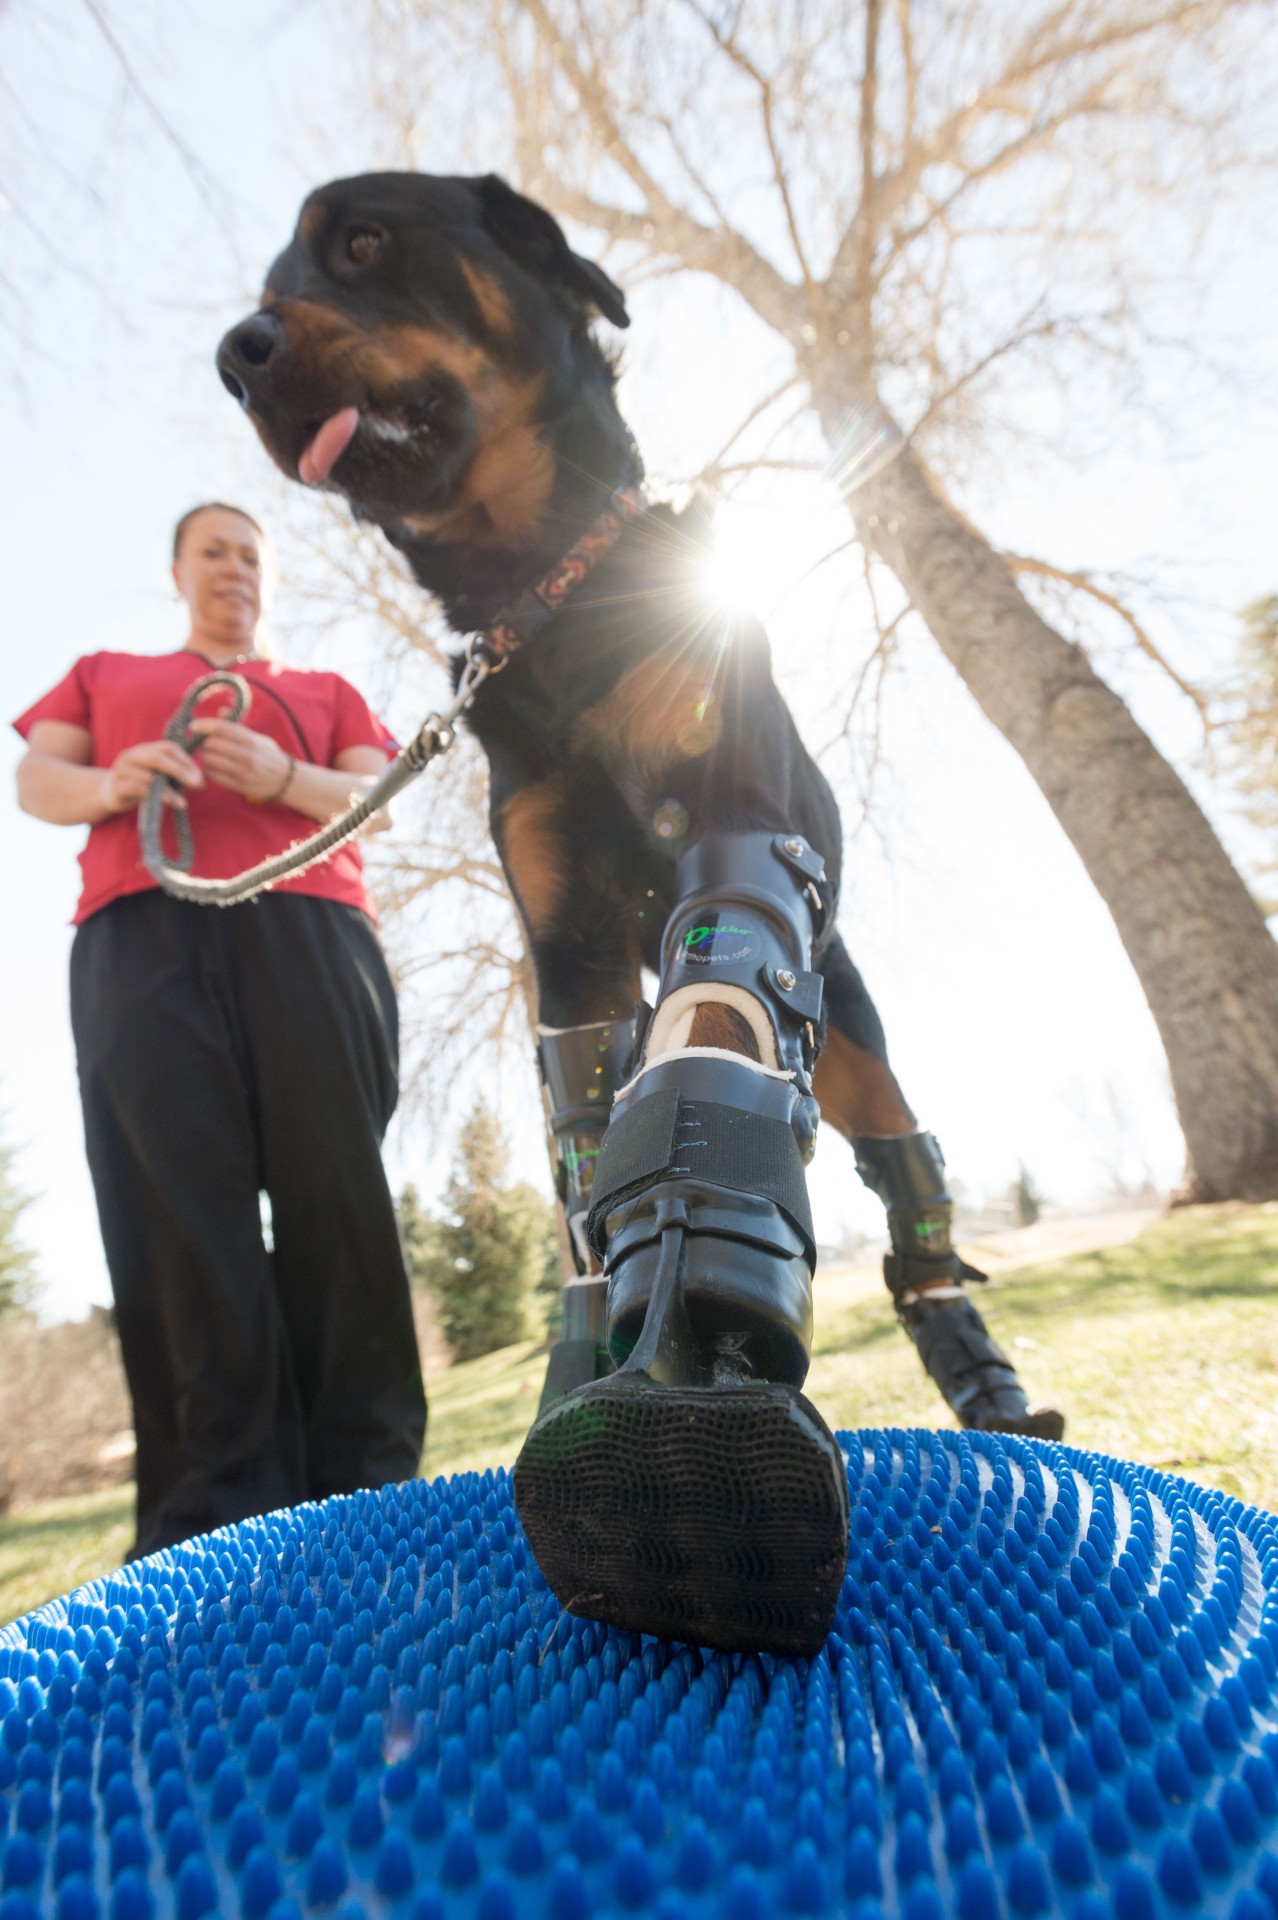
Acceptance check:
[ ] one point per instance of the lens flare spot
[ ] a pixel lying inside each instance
(670, 821)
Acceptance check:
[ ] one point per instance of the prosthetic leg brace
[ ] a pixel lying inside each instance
(695, 1492)
(925, 1278)
(581, 1068)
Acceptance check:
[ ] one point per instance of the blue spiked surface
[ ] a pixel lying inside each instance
(1050, 1689)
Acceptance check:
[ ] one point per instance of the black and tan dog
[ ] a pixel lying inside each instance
(424, 347)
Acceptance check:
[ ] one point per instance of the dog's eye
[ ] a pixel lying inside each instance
(363, 244)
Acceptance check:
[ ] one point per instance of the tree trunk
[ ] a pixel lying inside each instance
(1201, 950)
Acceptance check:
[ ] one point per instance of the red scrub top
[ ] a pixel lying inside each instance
(122, 699)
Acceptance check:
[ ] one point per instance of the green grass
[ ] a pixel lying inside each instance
(1164, 1350)
(481, 1410)
(49, 1549)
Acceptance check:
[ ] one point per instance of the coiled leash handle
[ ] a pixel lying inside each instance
(152, 809)
(436, 734)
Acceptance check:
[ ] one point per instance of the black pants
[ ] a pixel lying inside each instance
(224, 1053)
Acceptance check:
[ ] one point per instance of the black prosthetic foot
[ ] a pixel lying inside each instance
(975, 1377)
(712, 1515)
(682, 1497)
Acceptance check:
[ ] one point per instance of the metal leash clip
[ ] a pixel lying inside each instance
(483, 650)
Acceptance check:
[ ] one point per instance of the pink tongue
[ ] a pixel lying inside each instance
(328, 446)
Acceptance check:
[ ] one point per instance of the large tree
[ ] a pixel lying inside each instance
(930, 204)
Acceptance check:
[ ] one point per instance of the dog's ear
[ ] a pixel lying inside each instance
(535, 241)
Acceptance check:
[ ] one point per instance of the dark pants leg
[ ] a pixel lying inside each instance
(320, 1016)
(188, 1099)
(173, 1152)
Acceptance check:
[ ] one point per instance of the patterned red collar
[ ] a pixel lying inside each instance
(522, 619)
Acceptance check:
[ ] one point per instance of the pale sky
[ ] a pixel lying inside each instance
(1013, 1017)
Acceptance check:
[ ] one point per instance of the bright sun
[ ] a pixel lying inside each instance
(759, 556)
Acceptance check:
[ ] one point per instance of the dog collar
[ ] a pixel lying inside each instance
(523, 619)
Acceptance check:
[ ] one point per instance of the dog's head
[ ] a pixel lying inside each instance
(415, 340)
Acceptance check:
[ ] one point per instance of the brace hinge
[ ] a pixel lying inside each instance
(799, 856)
(798, 994)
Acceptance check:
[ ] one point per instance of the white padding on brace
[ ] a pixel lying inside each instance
(672, 1022)
(706, 1053)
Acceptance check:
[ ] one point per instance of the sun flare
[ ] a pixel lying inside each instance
(759, 557)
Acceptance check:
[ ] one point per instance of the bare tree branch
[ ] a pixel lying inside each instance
(1007, 93)
(729, 44)
(909, 70)
(1083, 582)
(202, 180)
(867, 210)
(725, 252)
(714, 466)
(1034, 326)
(765, 465)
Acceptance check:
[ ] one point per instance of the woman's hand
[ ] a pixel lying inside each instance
(248, 763)
(124, 784)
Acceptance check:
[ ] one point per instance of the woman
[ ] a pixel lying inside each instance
(227, 1053)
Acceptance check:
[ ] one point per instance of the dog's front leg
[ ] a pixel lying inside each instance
(696, 1492)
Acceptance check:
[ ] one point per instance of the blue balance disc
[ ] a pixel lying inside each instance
(1050, 1690)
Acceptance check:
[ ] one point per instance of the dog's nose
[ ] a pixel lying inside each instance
(245, 351)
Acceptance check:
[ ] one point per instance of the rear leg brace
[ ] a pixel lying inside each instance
(581, 1069)
(926, 1279)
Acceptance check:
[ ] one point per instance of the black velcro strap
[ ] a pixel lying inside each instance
(747, 1152)
(701, 1140)
(637, 1150)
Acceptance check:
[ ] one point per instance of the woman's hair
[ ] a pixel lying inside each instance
(211, 506)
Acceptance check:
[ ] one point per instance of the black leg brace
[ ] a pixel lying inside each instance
(925, 1277)
(700, 1186)
(581, 1068)
(694, 1492)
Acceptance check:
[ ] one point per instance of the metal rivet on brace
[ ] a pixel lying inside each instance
(794, 847)
(785, 979)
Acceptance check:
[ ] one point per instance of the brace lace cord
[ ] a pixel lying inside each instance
(436, 734)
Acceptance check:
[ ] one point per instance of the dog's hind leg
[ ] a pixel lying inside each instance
(695, 1492)
(904, 1166)
(581, 1069)
(576, 869)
